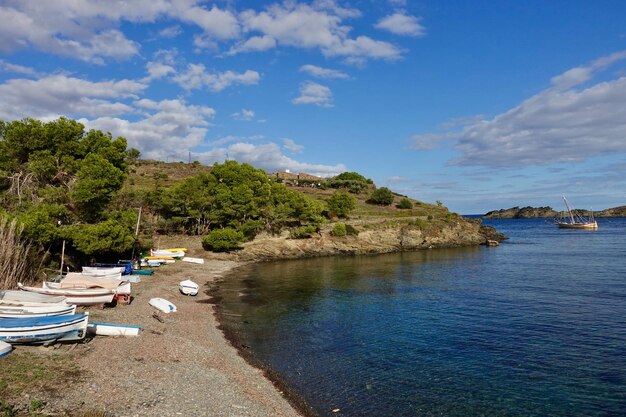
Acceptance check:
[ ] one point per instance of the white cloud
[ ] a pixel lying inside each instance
(320, 72)
(170, 32)
(426, 142)
(268, 157)
(318, 25)
(244, 115)
(402, 24)
(292, 146)
(558, 125)
(197, 77)
(19, 69)
(254, 44)
(313, 93)
(157, 70)
(55, 95)
(235, 139)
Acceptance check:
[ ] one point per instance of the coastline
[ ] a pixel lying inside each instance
(183, 366)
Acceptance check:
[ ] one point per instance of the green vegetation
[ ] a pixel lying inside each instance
(340, 204)
(405, 204)
(382, 196)
(353, 182)
(303, 232)
(223, 240)
(339, 230)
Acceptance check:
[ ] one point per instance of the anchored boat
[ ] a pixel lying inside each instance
(576, 221)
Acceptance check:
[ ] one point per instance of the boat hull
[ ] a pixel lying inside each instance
(580, 226)
(19, 296)
(162, 305)
(43, 329)
(5, 349)
(27, 311)
(80, 297)
(111, 329)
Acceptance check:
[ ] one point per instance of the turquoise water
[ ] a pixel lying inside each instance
(534, 327)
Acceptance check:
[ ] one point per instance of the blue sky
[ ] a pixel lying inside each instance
(480, 104)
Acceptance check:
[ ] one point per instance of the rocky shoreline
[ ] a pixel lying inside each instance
(549, 212)
(184, 363)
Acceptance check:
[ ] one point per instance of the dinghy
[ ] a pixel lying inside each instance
(76, 296)
(112, 329)
(167, 252)
(193, 260)
(44, 329)
(21, 297)
(5, 348)
(101, 270)
(162, 304)
(188, 287)
(17, 310)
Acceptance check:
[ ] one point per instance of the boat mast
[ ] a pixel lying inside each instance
(571, 216)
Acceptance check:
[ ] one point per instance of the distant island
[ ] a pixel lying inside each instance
(548, 212)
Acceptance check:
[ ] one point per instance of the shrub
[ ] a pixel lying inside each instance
(222, 240)
(405, 203)
(339, 230)
(303, 232)
(351, 230)
(382, 196)
(341, 204)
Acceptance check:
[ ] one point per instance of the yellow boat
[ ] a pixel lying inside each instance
(165, 258)
(175, 249)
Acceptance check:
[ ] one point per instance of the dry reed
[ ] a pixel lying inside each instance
(14, 249)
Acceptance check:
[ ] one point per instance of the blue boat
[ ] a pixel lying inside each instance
(44, 330)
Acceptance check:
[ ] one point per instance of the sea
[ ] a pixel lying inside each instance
(533, 327)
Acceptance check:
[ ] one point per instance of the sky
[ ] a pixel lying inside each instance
(478, 104)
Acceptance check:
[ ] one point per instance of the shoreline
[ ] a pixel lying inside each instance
(184, 365)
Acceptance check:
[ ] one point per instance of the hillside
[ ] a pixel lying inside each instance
(548, 212)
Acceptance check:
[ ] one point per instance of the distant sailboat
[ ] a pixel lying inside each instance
(575, 221)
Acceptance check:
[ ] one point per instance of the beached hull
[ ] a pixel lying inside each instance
(79, 297)
(5, 349)
(188, 287)
(142, 272)
(43, 329)
(193, 260)
(162, 304)
(98, 271)
(111, 329)
(173, 254)
(28, 311)
(583, 226)
(19, 296)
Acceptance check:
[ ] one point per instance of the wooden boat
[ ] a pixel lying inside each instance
(162, 304)
(44, 329)
(193, 260)
(76, 296)
(166, 252)
(21, 297)
(17, 310)
(188, 287)
(112, 329)
(73, 280)
(575, 221)
(5, 349)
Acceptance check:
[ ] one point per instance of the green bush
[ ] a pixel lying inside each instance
(382, 196)
(341, 204)
(351, 230)
(303, 232)
(405, 203)
(222, 240)
(339, 230)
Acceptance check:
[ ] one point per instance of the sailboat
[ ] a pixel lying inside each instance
(576, 221)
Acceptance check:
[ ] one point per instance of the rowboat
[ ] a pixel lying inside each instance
(188, 287)
(121, 289)
(101, 270)
(17, 310)
(112, 329)
(166, 252)
(21, 297)
(76, 296)
(5, 349)
(44, 329)
(162, 304)
(193, 260)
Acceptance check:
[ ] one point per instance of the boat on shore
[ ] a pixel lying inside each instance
(188, 287)
(112, 329)
(575, 220)
(25, 310)
(5, 348)
(44, 330)
(76, 296)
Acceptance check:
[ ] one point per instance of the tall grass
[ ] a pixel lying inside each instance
(14, 249)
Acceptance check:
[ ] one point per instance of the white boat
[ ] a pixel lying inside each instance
(5, 349)
(162, 304)
(44, 329)
(193, 260)
(103, 270)
(576, 221)
(188, 287)
(21, 297)
(167, 252)
(76, 296)
(112, 329)
(29, 310)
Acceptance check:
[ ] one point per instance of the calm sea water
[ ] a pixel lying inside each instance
(534, 327)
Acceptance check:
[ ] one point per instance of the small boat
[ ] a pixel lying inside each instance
(5, 349)
(125, 265)
(162, 304)
(76, 296)
(44, 329)
(193, 260)
(576, 221)
(167, 252)
(112, 329)
(188, 287)
(102, 270)
(22, 297)
(29, 310)
(142, 272)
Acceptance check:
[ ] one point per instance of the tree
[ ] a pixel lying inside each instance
(222, 240)
(382, 196)
(341, 204)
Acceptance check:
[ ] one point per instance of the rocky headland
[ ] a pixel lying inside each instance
(549, 212)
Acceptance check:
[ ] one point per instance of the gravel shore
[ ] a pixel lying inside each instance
(181, 366)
